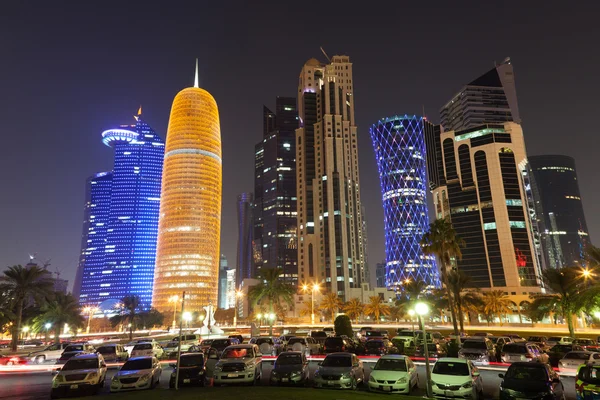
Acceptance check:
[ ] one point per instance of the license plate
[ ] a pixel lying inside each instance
(73, 386)
(186, 381)
(232, 375)
(284, 379)
(387, 388)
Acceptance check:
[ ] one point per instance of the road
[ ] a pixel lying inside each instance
(36, 385)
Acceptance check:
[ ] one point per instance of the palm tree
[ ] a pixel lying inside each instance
(465, 300)
(270, 291)
(441, 240)
(22, 285)
(331, 303)
(496, 303)
(411, 293)
(376, 308)
(60, 310)
(129, 314)
(354, 308)
(306, 309)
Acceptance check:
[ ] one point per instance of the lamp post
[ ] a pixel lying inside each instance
(187, 317)
(174, 299)
(47, 325)
(238, 295)
(412, 323)
(90, 311)
(422, 309)
(25, 331)
(313, 288)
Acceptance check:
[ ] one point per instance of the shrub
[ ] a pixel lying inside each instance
(343, 326)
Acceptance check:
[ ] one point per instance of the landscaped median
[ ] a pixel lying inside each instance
(248, 393)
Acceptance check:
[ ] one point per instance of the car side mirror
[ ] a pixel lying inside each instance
(476, 373)
(355, 365)
(501, 376)
(319, 363)
(555, 380)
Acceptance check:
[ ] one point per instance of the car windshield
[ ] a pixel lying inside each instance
(526, 372)
(514, 348)
(561, 348)
(296, 340)
(207, 342)
(373, 333)
(72, 365)
(260, 341)
(535, 339)
(134, 365)
(583, 341)
(172, 344)
(406, 333)
(390, 365)
(451, 368)
(289, 359)
(236, 353)
(337, 361)
(74, 347)
(334, 342)
(192, 361)
(107, 349)
(318, 334)
(143, 346)
(374, 343)
(474, 344)
(590, 374)
(577, 356)
(220, 343)
(554, 339)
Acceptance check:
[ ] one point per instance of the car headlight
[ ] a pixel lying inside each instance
(59, 378)
(218, 368)
(250, 366)
(372, 379)
(402, 380)
(295, 373)
(144, 378)
(200, 373)
(274, 373)
(92, 375)
(345, 375)
(173, 374)
(467, 384)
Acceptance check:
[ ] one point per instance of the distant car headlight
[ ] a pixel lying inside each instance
(402, 380)
(468, 384)
(372, 379)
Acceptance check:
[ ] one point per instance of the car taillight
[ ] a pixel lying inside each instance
(343, 348)
(528, 356)
(502, 354)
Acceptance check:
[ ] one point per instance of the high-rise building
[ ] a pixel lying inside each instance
(563, 229)
(477, 177)
(223, 268)
(245, 261)
(366, 267)
(274, 212)
(489, 99)
(187, 257)
(330, 245)
(121, 218)
(380, 274)
(399, 145)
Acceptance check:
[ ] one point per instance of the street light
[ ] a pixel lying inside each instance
(174, 299)
(238, 295)
(25, 330)
(412, 322)
(187, 317)
(422, 309)
(313, 288)
(47, 326)
(90, 311)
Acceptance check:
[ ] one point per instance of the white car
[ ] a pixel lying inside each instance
(147, 349)
(50, 353)
(456, 378)
(82, 373)
(573, 359)
(240, 363)
(129, 346)
(394, 374)
(170, 349)
(137, 373)
(306, 345)
(554, 340)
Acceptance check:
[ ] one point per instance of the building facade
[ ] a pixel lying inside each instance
(380, 275)
(330, 245)
(245, 266)
(399, 145)
(491, 99)
(559, 208)
(121, 218)
(274, 211)
(477, 179)
(187, 257)
(223, 269)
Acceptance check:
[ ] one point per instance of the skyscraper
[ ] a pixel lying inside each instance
(399, 145)
(330, 245)
(491, 99)
(274, 212)
(223, 268)
(187, 257)
(121, 218)
(245, 261)
(563, 229)
(477, 179)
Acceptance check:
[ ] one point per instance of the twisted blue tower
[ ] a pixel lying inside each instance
(399, 144)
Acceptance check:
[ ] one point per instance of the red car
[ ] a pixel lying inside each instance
(12, 360)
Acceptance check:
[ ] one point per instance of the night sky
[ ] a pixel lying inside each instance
(71, 69)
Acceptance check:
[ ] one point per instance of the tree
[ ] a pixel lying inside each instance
(306, 309)
(343, 326)
(353, 308)
(270, 291)
(495, 304)
(376, 308)
(151, 318)
(23, 284)
(61, 309)
(465, 300)
(411, 293)
(441, 240)
(331, 303)
(128, 314)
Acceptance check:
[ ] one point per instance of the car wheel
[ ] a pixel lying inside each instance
(354, 384)
(40, 359)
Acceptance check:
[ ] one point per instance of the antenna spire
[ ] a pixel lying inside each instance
(196, 76)
(140, 110)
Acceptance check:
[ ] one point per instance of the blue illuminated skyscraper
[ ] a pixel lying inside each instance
(399, 145)
(119, 249)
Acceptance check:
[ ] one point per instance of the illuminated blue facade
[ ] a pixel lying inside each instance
(399, 144)
(131, 222)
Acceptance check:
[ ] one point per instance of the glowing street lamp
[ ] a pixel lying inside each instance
(238, 295)
(25, 330)
(174, 299)
(313, 288)
(47, 325)
(89, 311)
(422, 309)
(187, 317)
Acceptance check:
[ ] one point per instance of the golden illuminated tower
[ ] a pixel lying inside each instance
(187, 256)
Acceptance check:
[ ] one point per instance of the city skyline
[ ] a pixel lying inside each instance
(66, 81)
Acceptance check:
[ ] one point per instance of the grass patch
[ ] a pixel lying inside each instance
(249, 393)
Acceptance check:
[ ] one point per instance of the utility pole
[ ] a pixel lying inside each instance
(179, 341)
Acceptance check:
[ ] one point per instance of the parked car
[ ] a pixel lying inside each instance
(522, 351)
(394, 374)
(74, 349)
(524, 380)
(587, 344)
(50, 353)
(240, 338)
(290, 368)
(500, 341)
(170, 348)
(404, 341)
(456, 378)
(338, 344)
(587, 384)
(482, 334)
(113, 352)
(540, 341)
(557, 352)
(479, 351)
(554, 340)
(12, 360)
(515, 337)
(573, 359)
(306, 345)
(188, 339)
(222, 344)
(129, 346)
(152, 349)
(283, 339)
(240, 363)
(136, 374)
(435, 350)
(377, 347)
(341, 370)
(192, 370)
(206, 344)
(81, 373)
(329, 331)
(268, 345)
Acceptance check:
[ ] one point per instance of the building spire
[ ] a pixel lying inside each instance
(196, 76)
(140, 110)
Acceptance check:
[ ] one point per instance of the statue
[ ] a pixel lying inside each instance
(207, 324)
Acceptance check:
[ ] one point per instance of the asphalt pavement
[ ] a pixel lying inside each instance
(36, 385)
